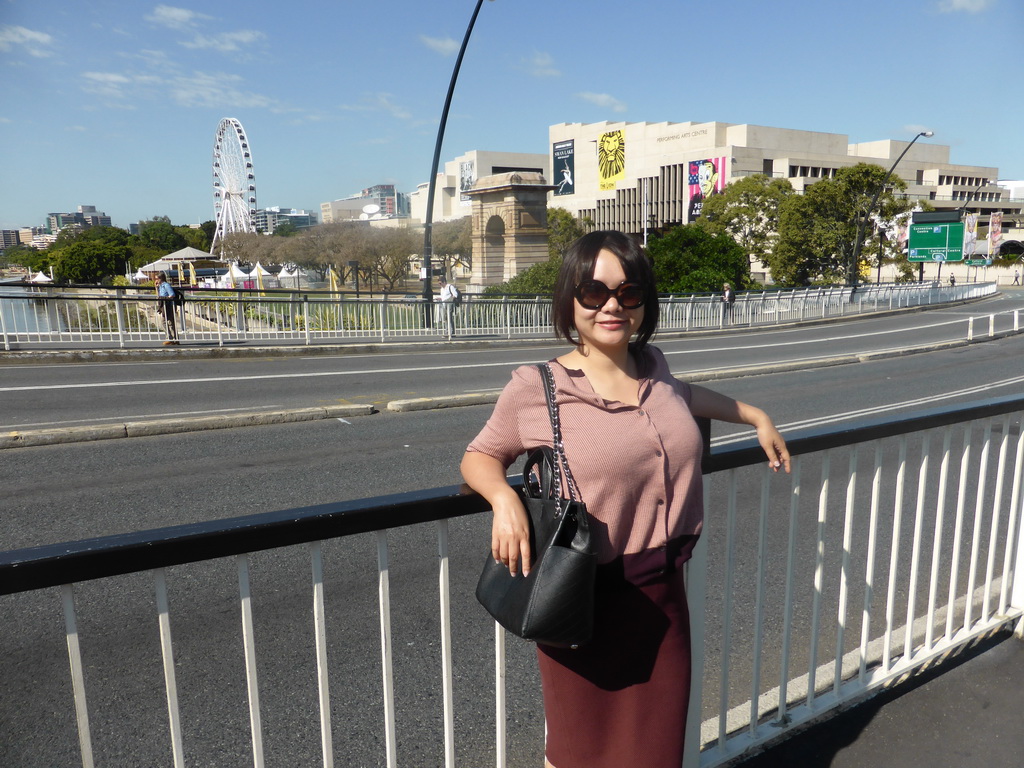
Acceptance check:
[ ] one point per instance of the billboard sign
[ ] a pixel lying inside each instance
(936, 241)
(563, 154)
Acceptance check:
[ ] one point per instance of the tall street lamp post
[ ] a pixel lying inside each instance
(427, 258)
(862, 224)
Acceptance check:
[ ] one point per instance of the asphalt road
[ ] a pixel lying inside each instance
(47, 396)
(63, 492)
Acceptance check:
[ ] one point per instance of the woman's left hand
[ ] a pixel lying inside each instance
(774, 446)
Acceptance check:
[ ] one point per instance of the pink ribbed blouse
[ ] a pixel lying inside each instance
(637, 467)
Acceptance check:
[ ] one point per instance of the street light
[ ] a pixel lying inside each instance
(862, 224)
(427, 257)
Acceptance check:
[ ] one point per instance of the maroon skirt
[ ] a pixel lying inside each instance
(621, 700)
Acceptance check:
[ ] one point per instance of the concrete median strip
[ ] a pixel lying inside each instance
(151, 427)
(447, 401)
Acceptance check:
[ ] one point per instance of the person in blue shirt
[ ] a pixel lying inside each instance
(166, 307)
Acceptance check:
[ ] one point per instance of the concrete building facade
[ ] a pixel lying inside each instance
(637, 176)
(269, 219)
(389, 202)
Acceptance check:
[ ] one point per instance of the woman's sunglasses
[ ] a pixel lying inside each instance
(593, 294)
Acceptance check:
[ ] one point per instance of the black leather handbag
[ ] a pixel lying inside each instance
(554, 605)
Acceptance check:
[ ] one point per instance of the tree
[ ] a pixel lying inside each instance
(564, 229)
(89, 255)
(452, 242)
(160, 235)
(748, 211)
(286, 228)
(89, 261)
(688, 259)
(818, 230)
(194, 238)
(388, 251)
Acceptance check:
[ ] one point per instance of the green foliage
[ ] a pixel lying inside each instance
(537, 280)
(160, 235)
(564, 229)
(88, 261)
(818, 230)
(691, 259)
(286, 228)
(748, 211)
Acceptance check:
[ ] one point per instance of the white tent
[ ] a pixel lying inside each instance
(260, 269)
(41, 278)
(189, 254)
(160, 265)
(140, 276)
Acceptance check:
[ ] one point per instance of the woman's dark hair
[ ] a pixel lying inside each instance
(578, 265)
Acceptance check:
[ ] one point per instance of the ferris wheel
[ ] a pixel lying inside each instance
(234, 182)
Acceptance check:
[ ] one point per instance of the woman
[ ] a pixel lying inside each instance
(634, 450)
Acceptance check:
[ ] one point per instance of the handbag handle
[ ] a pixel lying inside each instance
(556, 432)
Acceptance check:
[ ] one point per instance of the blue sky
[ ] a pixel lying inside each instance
(115, 103)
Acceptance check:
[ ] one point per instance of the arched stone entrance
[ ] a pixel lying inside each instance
(510, 226)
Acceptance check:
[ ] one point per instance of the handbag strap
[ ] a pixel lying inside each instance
(556, 432)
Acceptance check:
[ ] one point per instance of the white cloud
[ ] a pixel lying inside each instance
(175, 18)
(968, 6)
(32, 42)
(542, 65)
(227, 41)
(6, 120)
(603, 100)
(215, 90)
(379, 102)
(443, 45)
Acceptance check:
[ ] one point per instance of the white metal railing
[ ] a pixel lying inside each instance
(51, 315)
(818, 588)
(856, 581)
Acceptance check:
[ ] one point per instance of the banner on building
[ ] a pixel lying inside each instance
(995, 233)
(705, 178)
(563, 167)
(467, 176)
(611, 159)
(970, 235)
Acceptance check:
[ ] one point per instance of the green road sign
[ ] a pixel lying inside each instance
(936, 242)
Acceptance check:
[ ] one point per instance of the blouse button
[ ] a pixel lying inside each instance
(641, 412)
(661, 502)
(658, 454)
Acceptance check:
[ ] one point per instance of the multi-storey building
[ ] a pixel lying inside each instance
(86, 216)
(269, 219)
(382, 201)
(637, 176)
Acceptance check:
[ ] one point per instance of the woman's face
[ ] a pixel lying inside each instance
(610, 326)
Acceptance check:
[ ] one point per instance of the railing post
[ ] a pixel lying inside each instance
(119, 311)
(991, 326)
(3, 327)
(970, 329)
(696, 597)
(305, 314)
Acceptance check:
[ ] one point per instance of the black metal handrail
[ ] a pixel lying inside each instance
(52, 565)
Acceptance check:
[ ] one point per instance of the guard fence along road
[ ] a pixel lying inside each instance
(81, 316)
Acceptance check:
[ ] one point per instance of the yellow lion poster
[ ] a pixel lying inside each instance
(611, 158)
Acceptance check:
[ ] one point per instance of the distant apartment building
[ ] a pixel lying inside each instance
(9, 238)
(269, 219)
(458, 175)
(382, 201)
(86, 216)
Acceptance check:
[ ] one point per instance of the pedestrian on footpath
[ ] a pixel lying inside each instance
(449, 297)
(166, 308)
(728, 299)
(1016, 277)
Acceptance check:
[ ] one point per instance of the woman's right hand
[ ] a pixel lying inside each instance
(510, 535)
